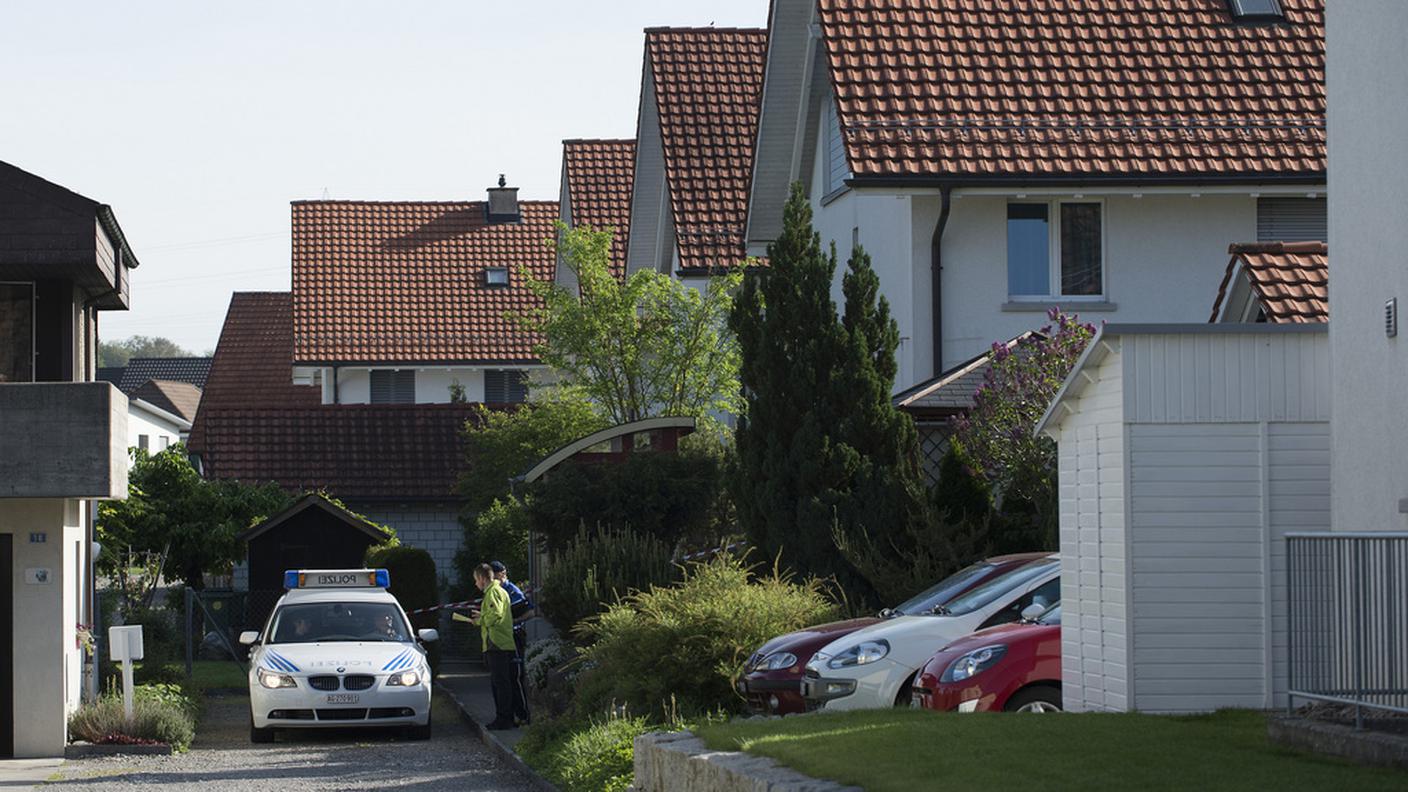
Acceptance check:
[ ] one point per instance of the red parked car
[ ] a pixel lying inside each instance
(772, 678)
(1012, 667)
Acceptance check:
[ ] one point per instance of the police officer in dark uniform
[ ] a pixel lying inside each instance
(522, 608)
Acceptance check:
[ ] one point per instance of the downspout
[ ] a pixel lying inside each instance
(336, 369)
(936, 287)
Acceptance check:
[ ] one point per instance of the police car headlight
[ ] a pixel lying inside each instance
(271, 680)
(404, 679)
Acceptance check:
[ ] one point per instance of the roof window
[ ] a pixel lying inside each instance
(1256, 9)
(496, 276)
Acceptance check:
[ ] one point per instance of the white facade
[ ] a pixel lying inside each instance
(1368, 115)
(47, 578)
(433, 384)
(153, 428)
(1186, 453)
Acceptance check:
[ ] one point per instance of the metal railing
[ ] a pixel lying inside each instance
(1347, 619)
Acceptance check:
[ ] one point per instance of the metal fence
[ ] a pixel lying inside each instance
(1347, 609)
(215, 619)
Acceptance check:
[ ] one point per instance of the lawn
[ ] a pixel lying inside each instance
(883, 750)
(218, 674)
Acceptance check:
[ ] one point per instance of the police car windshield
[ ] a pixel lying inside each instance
(943, 591)
(983, 595)
(317, 622)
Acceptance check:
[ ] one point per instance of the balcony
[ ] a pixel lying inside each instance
(63, 440)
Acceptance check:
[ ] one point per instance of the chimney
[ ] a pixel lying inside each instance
(503, 203)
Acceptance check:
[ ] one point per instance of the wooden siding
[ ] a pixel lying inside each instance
(1094, 644)
(1232, 377)
(1210, 505)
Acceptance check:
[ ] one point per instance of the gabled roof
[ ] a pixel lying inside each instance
(952, 392)
(255, 425)
(178, 398)
(598, 175)
(314, 500)
(1032, 89)
(404, 282)
(1290, 282)
(74, 202)
(138, 371)
(707, 87)
(253, 365)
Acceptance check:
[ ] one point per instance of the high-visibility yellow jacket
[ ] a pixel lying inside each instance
(495, 618)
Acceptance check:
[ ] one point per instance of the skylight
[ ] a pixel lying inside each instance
(496, 276)
(1256, 9)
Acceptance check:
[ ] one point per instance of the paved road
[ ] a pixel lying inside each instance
(222, 758)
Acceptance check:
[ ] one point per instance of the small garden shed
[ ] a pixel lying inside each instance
(1186, 453)
(313, 533)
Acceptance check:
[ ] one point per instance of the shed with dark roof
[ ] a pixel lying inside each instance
(312, 533)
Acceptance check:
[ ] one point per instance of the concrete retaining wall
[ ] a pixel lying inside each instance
(680, 762)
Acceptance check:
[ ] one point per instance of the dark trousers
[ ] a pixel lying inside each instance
(520, 676)
(501, 677)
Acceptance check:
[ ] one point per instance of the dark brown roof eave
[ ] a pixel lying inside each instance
(1063, 180)
(426, 363)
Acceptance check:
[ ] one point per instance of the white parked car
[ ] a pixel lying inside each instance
(338, 651)
(875, 666)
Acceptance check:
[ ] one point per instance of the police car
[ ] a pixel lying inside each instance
(338, 651)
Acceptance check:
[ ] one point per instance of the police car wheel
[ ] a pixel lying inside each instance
(257, 735)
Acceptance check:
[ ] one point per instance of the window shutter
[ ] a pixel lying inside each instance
(393, 387)
(505, 387)
(1291, 220)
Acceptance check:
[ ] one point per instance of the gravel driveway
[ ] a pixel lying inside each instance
(223, 758)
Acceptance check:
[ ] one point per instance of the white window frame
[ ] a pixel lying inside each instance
(1053, 251)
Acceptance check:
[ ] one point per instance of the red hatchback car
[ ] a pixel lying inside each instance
(772, 680)
(1013, 668)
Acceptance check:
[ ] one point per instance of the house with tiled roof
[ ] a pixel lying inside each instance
(1276, 282)
(159, 414)
(140, 370)
(596, 193)
(694, 149)
(395, 463)
(410, 302)
(1000, 158)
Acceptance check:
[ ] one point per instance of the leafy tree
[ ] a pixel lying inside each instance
(997, 437)
(499, 445)
(643, 346)
(117, 353)
(192, 523)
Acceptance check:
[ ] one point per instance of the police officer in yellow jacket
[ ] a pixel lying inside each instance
(496, 628)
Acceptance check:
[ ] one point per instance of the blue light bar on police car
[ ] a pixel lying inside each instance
(336, 578)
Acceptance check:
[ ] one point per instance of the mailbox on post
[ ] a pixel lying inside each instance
(124, 646)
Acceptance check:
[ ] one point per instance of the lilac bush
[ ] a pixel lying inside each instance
(996, 436)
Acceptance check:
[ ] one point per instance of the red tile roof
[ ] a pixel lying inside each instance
(1291, 280)
(599, 176)
(708, 85)
(1090, 88)
(377, 282)
(178, 398)
(255, 425)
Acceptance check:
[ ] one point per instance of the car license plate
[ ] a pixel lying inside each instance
(343, 698)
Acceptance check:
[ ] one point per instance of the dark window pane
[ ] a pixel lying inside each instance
(16, 332)
(393, 387)
(505, 387)
(1028, 258)
(1080, 248)
(1256, 8)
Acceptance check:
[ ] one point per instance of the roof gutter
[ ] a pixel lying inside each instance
(936, 268)
(1028, 180)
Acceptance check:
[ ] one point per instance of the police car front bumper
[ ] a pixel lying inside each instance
(305, 708)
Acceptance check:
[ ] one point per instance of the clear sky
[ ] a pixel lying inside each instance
(199, 122)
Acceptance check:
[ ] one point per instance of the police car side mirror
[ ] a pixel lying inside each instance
(427, 636)
(249, 637)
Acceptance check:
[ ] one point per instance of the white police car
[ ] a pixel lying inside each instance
(337, 651)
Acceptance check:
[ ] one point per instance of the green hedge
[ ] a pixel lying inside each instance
(597, 567)
(413, 584)
(680, 648)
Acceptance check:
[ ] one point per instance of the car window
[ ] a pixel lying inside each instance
(984, 595)
(338, 621)
(1045, 595)
(943, 591)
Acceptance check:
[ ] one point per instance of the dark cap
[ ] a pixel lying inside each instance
(497, 566)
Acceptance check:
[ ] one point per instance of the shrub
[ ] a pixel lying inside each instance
(499, 533)
(597, 756)
(413, 584)
(598, 567)
(543, 657)
(161, 640)
(685, 645)
(160, 714)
